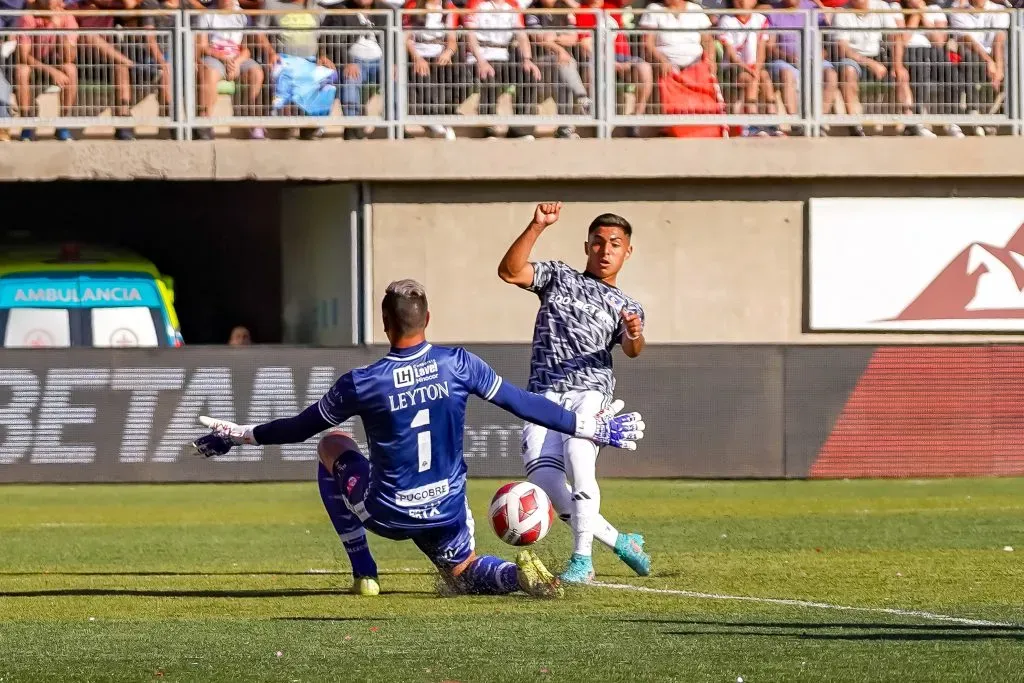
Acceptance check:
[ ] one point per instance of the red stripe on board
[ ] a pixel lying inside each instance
(931, 412)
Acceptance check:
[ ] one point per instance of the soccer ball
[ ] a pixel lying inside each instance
(521, 513)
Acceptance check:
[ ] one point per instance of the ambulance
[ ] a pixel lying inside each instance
(72, 295)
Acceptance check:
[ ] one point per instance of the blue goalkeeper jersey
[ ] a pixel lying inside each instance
(413, 406)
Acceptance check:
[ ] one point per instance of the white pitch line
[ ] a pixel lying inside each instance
(931, 616)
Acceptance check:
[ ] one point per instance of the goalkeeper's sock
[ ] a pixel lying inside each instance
(347, 525)
(489, 575)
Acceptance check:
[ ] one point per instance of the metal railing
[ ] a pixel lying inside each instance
(193, 72)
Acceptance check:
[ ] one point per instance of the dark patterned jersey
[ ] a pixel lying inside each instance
(577, 326)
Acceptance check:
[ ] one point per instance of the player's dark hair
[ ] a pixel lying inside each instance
(405, 306)
(611, 220)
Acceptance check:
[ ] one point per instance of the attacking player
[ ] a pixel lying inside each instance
(413, 406)
(582, 317)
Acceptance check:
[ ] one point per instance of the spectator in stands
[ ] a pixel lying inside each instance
(437, 85)
(861, 32)
(8, 48)
(785, 55)
(555, 44)
(240, 336)
(683, 53)
(292, 34)
(97, 54)
(629, 68)
(223, 56)
(981, 37)
(744, 42)
(680, 43)
(49, 56)
(358, 53)
(5, 106)
(932, 78)
(6, 93)
(495, 28)
(152, 59)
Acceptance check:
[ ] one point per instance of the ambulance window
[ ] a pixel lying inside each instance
(123, 326)
(37, 328)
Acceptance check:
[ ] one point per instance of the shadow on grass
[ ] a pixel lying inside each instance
(140, 592)
(334, 619)
(866, 631)
(424, 572)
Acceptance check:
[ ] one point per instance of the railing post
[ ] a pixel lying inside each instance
(814, 80)
(177, 105)
(1015, 72)
(188, 73)
(389, 76)
(401, 60)
(604, 73)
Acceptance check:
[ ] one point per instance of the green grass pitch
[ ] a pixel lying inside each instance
(246, 582)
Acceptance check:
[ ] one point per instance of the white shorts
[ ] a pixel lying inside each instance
(545, 448)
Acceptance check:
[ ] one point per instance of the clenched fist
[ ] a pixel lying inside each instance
(633, 323)
(547, 214)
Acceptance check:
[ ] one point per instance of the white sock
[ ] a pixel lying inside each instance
(553, 482)
(581, 459)
(605, 532)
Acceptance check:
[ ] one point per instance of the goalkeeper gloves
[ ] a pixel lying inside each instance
(608, 429)
(223, 436)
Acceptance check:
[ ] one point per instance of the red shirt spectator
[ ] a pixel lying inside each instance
(588, 19)
(45, 42)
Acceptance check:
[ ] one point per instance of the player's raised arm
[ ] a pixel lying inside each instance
(336, 406)
(604, 428)
(515, 267)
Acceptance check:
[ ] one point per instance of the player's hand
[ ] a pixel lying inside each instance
(547, 214)
(633, 323)
(222, 437)
(608, 429)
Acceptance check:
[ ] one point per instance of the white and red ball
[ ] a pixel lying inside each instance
(521, 513)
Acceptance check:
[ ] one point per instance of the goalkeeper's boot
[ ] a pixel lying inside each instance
(365, 585)
(630, 549)
(534, 577)
(580, 569)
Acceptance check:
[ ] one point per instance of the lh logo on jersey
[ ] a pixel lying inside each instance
(407, 376)
(404, 377)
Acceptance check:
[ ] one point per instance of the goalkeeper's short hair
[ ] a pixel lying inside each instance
(405, 307)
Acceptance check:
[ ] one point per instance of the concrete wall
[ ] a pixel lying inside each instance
(714, 261)
(705, 271)
(318, 288)
(402, 160)
(719, 224)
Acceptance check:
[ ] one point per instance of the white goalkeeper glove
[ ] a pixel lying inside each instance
(222, 437)
(608, 429)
